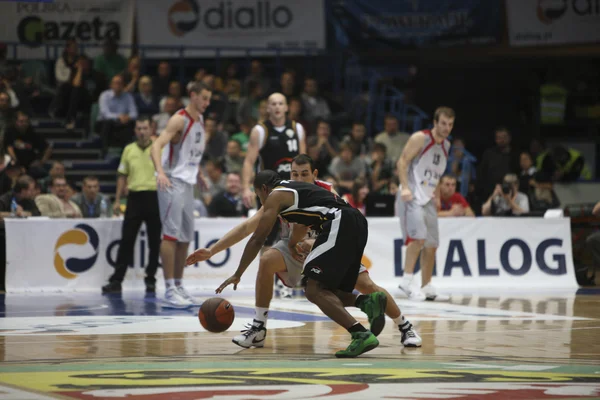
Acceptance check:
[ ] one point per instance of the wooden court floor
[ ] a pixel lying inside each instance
(492, 346)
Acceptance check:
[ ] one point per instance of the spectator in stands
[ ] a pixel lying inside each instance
(29, 93)
(5, 67)
(110, 63)
(26, 146)
(136, 171)
(216, 180)
(257, 75)
(217, 108)
(347, 168)
(563, 165)
(461, 164)
(381, 169)
(263, 114)
(9, 176)
(528, 172)
(176, 93)
(392, 138)
(243, 136)
(496, 163)
(452, 203)
(216, 141)
(57, 204)
(90, 200)
(541, 194)
(6, 114)
(233, 91)
(145, 101)
(160, 120)
(24, 194)
(231, 84)
(287, 85)
(315, 106)
(57, 170)
(228, 203)
(506, 200)
(322, 147)
(131, 75)
(248, 107)
(118, 113)
(66, 64)
(358, 195)
(295, 113)
(6, 87)
(234, 159)
(358, 139)
(160, 83)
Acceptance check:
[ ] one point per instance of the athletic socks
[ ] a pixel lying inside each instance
(169, 283)
(405, 325)
(399, 321)
(407, 279)
(178, 282)
(261, 314)
(357, 327)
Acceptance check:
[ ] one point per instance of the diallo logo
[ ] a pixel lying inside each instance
(72, 251)
(190, 9)
(550, 10)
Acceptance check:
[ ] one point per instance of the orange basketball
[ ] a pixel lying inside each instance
(216, 315)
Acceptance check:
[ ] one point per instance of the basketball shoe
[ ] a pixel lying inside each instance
(361, 343)
(283, 291)
(412, 293)
(174, 300)
(431, 294)
(374, 306)
(410, 338)
(184, 293)
(253, 336)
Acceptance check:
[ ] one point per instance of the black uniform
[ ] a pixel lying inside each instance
(342, 234)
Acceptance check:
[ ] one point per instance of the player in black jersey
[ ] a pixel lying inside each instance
(331, 269)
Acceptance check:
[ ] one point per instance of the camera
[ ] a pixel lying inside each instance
(506, 188)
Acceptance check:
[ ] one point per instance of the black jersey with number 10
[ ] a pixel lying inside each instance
(313, 205)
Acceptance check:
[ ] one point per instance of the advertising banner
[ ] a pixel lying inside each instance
(473, 253)
(368, 24)
(551, 22)
(34, 24)
(227, 24)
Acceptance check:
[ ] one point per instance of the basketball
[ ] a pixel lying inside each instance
(216, 315)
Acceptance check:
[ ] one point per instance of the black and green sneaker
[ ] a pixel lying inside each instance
(361, 343)
(374, 306)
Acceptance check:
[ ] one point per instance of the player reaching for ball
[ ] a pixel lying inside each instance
(281, 260)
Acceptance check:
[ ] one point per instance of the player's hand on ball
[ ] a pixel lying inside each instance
(198, 256)
(406, 195)
(231, 280)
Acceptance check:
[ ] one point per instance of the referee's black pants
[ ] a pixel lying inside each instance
(141, 207)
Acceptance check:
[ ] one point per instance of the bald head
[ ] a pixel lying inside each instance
(277, 108)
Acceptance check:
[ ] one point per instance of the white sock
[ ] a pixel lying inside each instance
(169, 283)
(407, 279)
(398, 321)
(261, 314)
(178, 282)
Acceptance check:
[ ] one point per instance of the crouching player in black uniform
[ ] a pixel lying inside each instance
(331, 269)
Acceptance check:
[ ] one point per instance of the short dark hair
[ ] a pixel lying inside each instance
(144, 118)
(447, 111)
(268, 178)
(52, 181)
(447, 176)
(322, 121)
(22, 183)
(198, 87)
(380, 147)
(303, 159)
(90, 178)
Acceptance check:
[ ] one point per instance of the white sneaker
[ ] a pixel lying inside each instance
(283, 291)
(253, 336)
(406, 287)
(431, 294)
(184, 293)
(174, 300)
(410, 338)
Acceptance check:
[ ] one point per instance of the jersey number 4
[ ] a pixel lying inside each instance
(292, 145)
(436, 159)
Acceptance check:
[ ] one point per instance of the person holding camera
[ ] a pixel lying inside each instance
(506, 200)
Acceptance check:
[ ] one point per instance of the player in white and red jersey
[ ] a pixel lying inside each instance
(176, 154)
(421, 166)
(281, 260)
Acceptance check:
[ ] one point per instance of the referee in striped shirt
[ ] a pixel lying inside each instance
(136, 169)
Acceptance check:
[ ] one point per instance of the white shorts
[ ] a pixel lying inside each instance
(292, 277)
(176, 205)
(419, 222)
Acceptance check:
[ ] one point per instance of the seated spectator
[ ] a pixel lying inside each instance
(109, 63)
(541, 193)
(381, 169)
(90, 201)
(347, 168)
(263, 113)
(228, 203)
(145, 101)
(256, 75)
(287, 85)
(295, 114)
(322, 147)
(57, 170)
(131, 75)
(248, 106)
(358, 195)
(161, 82)
(216, 141)
(175, 92)
(506, 200)
(528, 171)
(57, 204)
(118, 113)
(461, 164)
(392, 138)
(66, 64)
(9, 175)
(160, 120)
(26, 146)
(234, 159)
(6, 113)
(24, 194)
(219, 103)
(214, 179)
(243, 136)
(315, 106)
(6, 87)
(563, 165)
(452, 203)
(359, 140)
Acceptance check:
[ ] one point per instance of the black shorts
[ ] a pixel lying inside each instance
(335, 257)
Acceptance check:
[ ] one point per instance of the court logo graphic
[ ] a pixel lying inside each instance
(550, 10)
(67, 261)
(187, 10)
